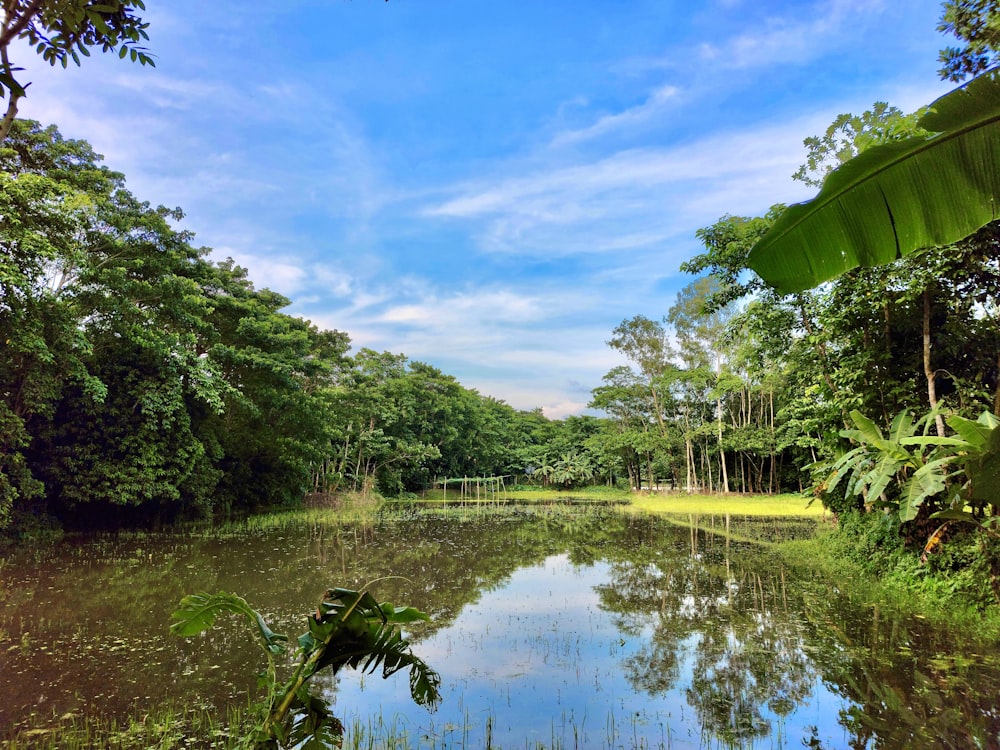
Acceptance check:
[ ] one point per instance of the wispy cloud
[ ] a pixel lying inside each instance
(631, 198)
(652, 108)
(794, 39)
(496, 231)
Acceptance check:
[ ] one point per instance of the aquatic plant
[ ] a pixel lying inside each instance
(349, 628)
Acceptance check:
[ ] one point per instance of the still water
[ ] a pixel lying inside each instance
(572, 628)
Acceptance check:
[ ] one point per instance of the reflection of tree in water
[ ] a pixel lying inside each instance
(748, 663)
(746, 650)
(910, 685)
(678, 594)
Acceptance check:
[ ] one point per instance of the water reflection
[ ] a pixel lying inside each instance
(565, 627)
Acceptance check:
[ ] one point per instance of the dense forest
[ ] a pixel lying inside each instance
(144, 382)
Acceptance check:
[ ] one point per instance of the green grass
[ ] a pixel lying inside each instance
(720, 505)
(163, 727)
(902, 588)
(526, 495)
(659, 503)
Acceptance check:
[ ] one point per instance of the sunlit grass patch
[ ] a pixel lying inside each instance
(720, 505)
(527, 495)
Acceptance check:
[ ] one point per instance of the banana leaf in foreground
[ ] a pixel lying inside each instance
(895, 198)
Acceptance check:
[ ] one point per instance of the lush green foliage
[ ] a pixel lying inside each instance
(348, 629)
(900, 330)
(904, 470)
(977, 24)
(144, 383)
(63, 30)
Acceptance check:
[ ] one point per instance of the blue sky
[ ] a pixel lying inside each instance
(489, 186)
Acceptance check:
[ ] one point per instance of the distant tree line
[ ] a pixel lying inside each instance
(142, 382)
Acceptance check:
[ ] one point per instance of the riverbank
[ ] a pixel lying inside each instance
(945, 599)
(787, 505)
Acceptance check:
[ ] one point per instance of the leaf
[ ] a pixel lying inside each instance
(198, 612)
(896, 198)
(983, 471)
(846, 464)
(402, 615)
(425, 684)
(869, 431)
(937, 442)
(927, 481)
(952, 514)
(879, 477)
(934, 540)
(901, 427)
(975, 433)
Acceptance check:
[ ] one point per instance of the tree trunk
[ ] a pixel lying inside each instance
(996, 393)
(722, 454)
(928, 372)
(12, 97)
(774, 479)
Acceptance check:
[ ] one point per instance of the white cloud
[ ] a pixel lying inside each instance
(498, 307)
(528, 349)
(284, 278)
(168, 93)
(792, 40)
(631, 198)
(317, 181)
(652, 108)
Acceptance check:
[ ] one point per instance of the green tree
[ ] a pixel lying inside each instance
(273, 430)
(645, 343)
(87, 272)
(977, 23)
(848, 135)
(700, 330)
(63, 30)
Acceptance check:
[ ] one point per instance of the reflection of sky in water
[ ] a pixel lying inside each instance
(544, 662)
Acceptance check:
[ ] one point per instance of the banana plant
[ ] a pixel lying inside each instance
(909, 467)
(894, 199)
(348, 629)
(980, 446)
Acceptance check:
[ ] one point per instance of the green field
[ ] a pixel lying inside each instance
(670, 503)
(744, 505)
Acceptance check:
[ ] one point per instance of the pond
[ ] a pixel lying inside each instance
(552, 627)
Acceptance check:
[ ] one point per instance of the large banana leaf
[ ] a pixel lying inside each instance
(896, 198)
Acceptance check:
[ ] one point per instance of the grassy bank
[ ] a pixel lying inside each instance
(906, 586)
(678, 503)
(720, 505)
(528, 496)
